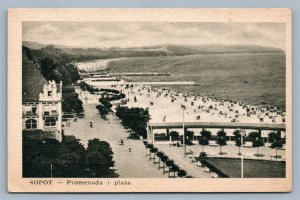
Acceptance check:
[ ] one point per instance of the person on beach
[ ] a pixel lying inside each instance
(91, 124)
(129, 148)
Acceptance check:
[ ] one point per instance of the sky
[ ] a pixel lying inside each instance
(137, 34)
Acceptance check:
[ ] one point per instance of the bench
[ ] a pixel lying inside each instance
(199, 164)
(247, 144)
(189, 152)
(213, 143)
(215, 175)
(206, 169)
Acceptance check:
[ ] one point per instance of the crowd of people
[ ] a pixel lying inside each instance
(166, 105)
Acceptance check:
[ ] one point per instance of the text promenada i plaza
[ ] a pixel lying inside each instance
(99, 182)
(94, 182)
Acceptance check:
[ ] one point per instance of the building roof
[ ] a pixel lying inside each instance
(32, 82)
(230, 125)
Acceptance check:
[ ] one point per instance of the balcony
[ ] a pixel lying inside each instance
(29, 114)
(50, 114)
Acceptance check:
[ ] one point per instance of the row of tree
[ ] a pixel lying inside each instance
(221, 140)
(109, 90)
(104, 108)
(55, 70)
(50, 158)
(154, 154)
(111, 96)
(86, 87)
(255, 137)
(71, 102)
(188, 136)
(135, 119)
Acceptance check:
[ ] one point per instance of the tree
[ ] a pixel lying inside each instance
(48, 157)
(38, 155)
(182, 173)
(69, 164)
(105, 108)
(106, 103)
(188, 137)
(204, 138)
(103, 111)
(159, 155)
(154, 150)
(174, 135)
(145, 143)
(44, 157)
(149, 146)
(71, 102)
(141, 131)
(174, 168)
(96, 164)
(134, 118)
(47, 65)
(257, 141)
(237, 138)
(221, 139)
(169, 164)
(70, 159)
(99, 157)
(164, 159)
(276, 142)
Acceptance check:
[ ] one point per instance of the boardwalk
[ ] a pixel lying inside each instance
(129, 164)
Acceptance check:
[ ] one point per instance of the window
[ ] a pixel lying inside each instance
(50, 121)
(46, 113)
(49, 93)
(54, 112)
(34, 109)
(30, 110)
(31, 124)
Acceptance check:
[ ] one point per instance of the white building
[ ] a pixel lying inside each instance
(44, 112)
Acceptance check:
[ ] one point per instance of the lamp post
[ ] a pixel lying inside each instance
(243, 134)
(51, 170)
(183, 141)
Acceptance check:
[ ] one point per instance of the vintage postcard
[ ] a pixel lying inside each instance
(149, 100)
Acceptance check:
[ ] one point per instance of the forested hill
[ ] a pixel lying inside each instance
(220, 49)
(69, 54)
(52, 64)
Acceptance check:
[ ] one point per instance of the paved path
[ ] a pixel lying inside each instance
(183, 162)
(128, 164)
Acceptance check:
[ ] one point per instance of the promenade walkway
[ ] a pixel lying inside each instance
(128, 164)
(183, 162)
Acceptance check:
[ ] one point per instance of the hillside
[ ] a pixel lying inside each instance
(220, 49)
(35, 45)
(83, 54)
(53, 64)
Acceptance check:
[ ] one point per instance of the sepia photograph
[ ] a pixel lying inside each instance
(176, 100)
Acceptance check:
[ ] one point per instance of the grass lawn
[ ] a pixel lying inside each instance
(257, 78)
(252, 168)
